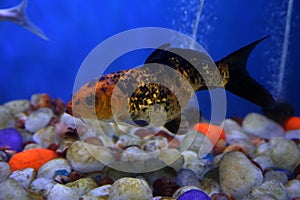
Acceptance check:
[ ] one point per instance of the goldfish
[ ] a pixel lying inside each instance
(18, 15)
(147, 95)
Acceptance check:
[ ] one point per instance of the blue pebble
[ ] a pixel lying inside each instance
(12, 138)
(193, 195)
(61, 172)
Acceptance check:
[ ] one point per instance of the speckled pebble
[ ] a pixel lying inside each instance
(11, 190)
(38, 119)
(12, 138)
(130, 188)
(17, 106)
(293, 188)
(49, 168)
(83, 185)
(238, 175)
(273, 188)
(59, 192)
(5, 171)
(24, 177)
(279, 176)
(99, 193)
(186, 177)
(6, 118)
(285, 153)
(45, 136)
(84, 157)
(261, 126)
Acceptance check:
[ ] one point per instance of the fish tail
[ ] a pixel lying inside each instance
(23, 20)
(240, 82)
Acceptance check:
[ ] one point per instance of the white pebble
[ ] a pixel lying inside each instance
(261, 126)
(38, 119)
(24, 177)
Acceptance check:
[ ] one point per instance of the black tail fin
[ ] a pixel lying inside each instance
(240, 83)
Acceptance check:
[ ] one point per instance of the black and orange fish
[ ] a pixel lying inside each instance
(95, 97)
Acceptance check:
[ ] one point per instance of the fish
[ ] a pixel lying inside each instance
(17, 14)
(147, 96)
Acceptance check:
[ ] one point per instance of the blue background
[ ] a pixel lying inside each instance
(31, 65)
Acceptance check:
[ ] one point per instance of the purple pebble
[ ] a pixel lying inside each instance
(193, 195)
(12, 138)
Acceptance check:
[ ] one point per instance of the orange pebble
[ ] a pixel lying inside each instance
(32, 158)
(292, 123)
(213, 132)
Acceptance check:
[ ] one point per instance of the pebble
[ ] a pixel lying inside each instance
(182, 190)
(293, 188)
(49, 168)
(164, 186)
(11, 190)
(188, 157)
(210, 186)
(293, 123)
(6, 118)
(38, 119)
(278, 176)
(59, 192)
(45, 136)
(12, 138)
(260, 197)
(84, 157)
(99, 193)
(172, 157)
(213, 132)
(292, 134)
(238, 175)
(83, 185)
(261, 126)
(40, 101)
(114, 174)
(17, 106)
(167, 172)
(190, 192)
(199, 166)
(32, 158)
(130, 188)
(273, 188)
(186, 177)
(5, 171)
(197, 142)
(32, 146)
(234, 132)
(24, 177)
(41, 186)
(285, 154)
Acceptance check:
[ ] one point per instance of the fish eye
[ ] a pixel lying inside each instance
(90, 100)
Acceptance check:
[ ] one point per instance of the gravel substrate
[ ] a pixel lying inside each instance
(47, 154)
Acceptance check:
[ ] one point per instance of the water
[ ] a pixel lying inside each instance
(285, 45)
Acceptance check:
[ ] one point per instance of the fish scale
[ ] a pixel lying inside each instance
(165, 84)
